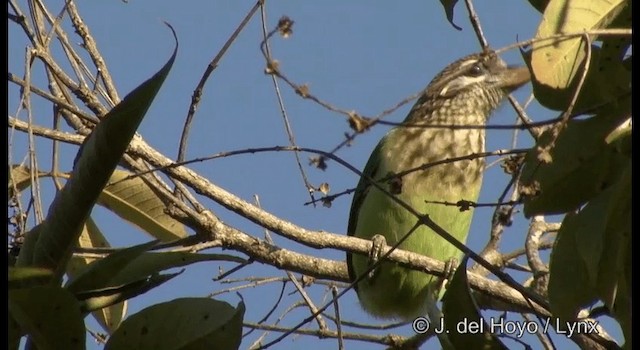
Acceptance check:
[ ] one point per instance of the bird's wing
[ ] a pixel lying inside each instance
(370, 171)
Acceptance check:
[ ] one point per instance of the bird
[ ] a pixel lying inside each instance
(465, 93)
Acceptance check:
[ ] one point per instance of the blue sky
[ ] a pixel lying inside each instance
(358, 55)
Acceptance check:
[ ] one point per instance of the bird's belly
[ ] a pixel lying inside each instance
(394, 291)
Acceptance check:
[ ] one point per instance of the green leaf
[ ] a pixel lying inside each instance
(588, 227)
(14, 333)
(556, 63)
(25, 258)
(134, 201)
(460, 309)
(616, 241)
(591, 256)
(100, 272)
(614, 48)
(154, 262)
(23, 277)
(94, 300)
(50, 316)
(96, 160)
(569, 285)
(109, 317)
(622, 306)
(186, 324)
(606, 81)
(575, 174)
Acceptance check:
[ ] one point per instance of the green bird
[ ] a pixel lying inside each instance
(465, 93)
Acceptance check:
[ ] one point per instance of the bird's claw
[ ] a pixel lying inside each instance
(449, 270)
(377, 243)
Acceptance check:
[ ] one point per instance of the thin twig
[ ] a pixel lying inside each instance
(307, 300)
(285, 118)
(21, 20)
(544, 338)
(268, 314)
(302, 90)
(89, 44)
(524, 119)
(336, 308)
(475, 23)
(25, 100)
(538, 267)
(521, 251)
(383, 339)
(197, 93)
(553, 39)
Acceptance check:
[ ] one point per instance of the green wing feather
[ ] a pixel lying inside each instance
(370, 171)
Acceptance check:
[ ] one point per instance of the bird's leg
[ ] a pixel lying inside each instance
(436, 293)
(378, 242)
(434, 313)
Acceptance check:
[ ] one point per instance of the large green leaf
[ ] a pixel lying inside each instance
(607, 80)
(109, 317)
(99, 273)
(556, 63)
(96, 160)
(50, 316)
(186, 324)
(591, 256)
(569, 284)
(614, 277)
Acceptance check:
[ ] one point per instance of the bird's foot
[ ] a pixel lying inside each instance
(449, 270)
(378, 242)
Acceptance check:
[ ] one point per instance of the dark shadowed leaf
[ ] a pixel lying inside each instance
(99, 273)
(50, 316)
(616, 243)
(575, 174)
(459, 308)
(187, 324)
(94, 300)
(109, 317)
(449, 6)
(24, 277)
(569, 287)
